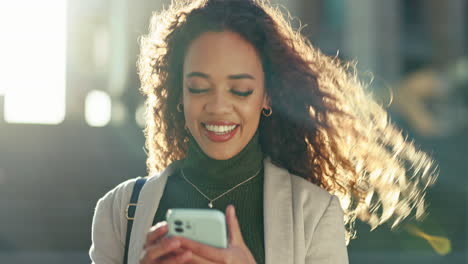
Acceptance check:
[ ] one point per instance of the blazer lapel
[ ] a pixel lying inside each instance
(278, 215)
(148, 203)
(277, 207)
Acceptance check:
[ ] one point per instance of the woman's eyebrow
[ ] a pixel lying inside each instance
(241, 76)
(197, 74)
(231, 77)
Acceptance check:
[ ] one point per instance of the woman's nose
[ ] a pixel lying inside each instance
(218, 103)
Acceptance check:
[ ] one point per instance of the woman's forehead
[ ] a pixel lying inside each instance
(222, 54)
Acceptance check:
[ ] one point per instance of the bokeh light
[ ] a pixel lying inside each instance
(98, 108)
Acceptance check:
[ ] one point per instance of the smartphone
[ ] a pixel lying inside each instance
(207, 226)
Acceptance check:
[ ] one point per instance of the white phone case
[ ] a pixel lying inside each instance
(207, 226)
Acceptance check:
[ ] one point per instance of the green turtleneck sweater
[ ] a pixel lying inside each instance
(213, 178)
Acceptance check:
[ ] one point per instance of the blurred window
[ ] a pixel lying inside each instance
(33, 60)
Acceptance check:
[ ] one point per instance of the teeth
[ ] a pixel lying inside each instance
(220, 129)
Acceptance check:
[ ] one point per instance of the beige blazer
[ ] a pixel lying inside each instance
(303, 223)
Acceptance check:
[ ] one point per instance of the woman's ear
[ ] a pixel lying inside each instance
(266, 102)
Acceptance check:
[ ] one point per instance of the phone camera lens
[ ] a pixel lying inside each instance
(179, 229)
(178, 222)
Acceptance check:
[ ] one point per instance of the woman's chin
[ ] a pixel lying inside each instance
(220, 156)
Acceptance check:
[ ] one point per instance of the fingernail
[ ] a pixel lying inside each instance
(175, 243)
(233, 210)
(187, 255)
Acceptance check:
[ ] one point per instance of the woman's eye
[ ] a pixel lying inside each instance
(242, 93)
(196, 91)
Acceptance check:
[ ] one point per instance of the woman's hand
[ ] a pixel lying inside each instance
(163, 250)
(160, 249)
(236, 253)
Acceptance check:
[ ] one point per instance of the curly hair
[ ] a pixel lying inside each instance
(325, 125)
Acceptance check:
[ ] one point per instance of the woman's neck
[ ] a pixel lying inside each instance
(203, 170)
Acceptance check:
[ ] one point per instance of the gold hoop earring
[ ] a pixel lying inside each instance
(179, 107)
(267, 114)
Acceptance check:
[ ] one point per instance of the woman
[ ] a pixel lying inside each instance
(243, 112)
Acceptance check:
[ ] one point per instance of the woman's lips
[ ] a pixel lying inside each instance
(218, 137)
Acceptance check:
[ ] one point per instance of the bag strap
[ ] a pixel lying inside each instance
(130, 213)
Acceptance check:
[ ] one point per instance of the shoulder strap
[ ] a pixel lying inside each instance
(130, 213)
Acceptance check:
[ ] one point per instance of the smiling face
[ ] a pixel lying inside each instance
(223, 93)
